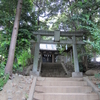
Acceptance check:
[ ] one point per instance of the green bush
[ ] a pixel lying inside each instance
(3, 81)
(17, 67)
(2, 66)
(97, 76)
(3, 78)
(23, 58)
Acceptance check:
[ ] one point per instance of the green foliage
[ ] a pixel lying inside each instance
(88, 56)
(86, 14)
(23, 58)
(26, 96)
(3, 81)
(2, 66)
(28, 24)
(80, 15)
(3, 78)
(97, 76)
(17, 67)
(61, 48)
(94, 39)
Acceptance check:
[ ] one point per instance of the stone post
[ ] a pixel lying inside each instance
(32, 48)
(36, 55)
(41, 58)
(52, 58)
(76, 64)
(71, 56)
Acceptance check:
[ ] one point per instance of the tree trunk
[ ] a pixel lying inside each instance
(94, 56)
(85, 62)
(9, 65)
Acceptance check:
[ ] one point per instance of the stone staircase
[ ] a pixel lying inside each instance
(63, 89)
(52, 70)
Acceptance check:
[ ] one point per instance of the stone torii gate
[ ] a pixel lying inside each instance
(71, 39)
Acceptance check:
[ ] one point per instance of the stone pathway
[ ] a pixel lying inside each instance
(63, 89)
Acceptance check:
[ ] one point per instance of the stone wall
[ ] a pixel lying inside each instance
(64, 59)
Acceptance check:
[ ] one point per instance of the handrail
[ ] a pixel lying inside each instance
(64, 67)
(32, 90)
(40, 68)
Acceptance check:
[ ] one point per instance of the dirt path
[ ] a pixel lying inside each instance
(17, 88)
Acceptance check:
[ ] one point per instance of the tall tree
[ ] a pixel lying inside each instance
(9, 65)
(45, 9)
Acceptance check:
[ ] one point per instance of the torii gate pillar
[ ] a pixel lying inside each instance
(76, 64)
(36, 56)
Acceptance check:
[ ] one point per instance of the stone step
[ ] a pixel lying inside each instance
(61, 83)
(65, 96)
(63, 89)
(59, 79)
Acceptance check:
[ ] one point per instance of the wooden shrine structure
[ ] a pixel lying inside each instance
(73, 38)
(50, 56)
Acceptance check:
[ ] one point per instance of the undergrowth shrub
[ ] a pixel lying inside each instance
(97, 76)
(3, 78)
(23, 58)
(3, 81)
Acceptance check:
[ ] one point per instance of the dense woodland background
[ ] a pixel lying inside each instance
(67, 15)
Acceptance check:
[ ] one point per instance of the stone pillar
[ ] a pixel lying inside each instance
(65, 59)
(41, 58)
(32, 47)
(57, 36)
(36, 55)
(76, 64)
(52, 58)
(71, 56)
